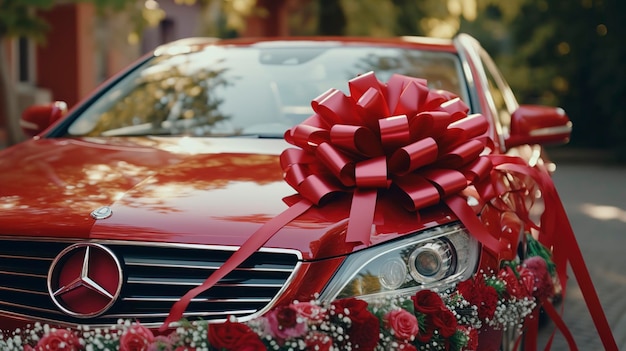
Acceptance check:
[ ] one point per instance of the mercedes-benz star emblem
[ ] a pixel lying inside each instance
(102, 212)
(85, 280)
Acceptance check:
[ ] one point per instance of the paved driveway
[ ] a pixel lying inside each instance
(595, 199)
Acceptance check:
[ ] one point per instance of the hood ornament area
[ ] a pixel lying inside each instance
(102, 212)
(85, 280)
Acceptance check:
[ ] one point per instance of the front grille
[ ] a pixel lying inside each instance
(155, 276)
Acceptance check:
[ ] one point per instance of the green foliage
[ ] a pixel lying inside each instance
(564, 53)
(18, 18)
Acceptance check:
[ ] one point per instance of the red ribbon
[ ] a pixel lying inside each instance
(556, 233)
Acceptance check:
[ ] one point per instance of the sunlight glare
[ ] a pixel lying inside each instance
(604, 212)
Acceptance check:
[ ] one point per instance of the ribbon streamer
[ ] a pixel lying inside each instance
(565, 248)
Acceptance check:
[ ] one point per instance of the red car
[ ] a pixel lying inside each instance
(117, 208)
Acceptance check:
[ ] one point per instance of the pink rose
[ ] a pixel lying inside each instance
(403, 324)
(136, 338)
(59, 339)
(163, 343)
(313, 313)
(283, 323)
(543, 285)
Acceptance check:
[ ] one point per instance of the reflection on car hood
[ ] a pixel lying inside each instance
(182, 190)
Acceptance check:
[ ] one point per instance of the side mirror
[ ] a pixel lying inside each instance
(531, 124)
(35, 119)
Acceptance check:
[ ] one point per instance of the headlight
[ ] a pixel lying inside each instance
(433, 259)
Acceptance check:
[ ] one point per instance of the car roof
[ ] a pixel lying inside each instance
(414, 42)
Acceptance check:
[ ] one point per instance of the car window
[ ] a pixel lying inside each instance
(238, 91)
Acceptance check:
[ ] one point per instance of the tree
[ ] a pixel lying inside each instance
(19, 18)
(570, 54)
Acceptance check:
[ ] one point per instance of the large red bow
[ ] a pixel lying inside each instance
(400, 136)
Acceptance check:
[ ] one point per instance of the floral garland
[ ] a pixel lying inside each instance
(428, 320)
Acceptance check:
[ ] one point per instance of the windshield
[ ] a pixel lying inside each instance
(247, 91)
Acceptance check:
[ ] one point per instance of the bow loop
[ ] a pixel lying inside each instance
(335, 107)
(394, 132)
(341, 166)
(372, 105)
(359, 85)
(356, 140)
(413, 156)
(372, 173)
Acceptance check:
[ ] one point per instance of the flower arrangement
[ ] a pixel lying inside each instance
(427, 320)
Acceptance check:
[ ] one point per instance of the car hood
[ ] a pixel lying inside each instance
(175, 190)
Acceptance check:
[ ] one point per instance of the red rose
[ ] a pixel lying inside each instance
(426, 330)
(468, 289)
(364, 331)
(527, 280)
(476, 292)
(227, 334)
(355, 309)
(427, 301)
(318, 341)
(472, 339)
(59, 339)
(185, 348)
(249, 342)
(488, 303)
(513, 286)
(403, 324)
(136, 338)
(286, 316)
(446, 322)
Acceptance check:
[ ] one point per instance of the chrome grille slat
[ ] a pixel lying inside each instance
(32, 308)
(179, 282)
(42, 293)
(2, 272)
(136, 299)
(25, 257)
(148, 293)
(207, 267)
